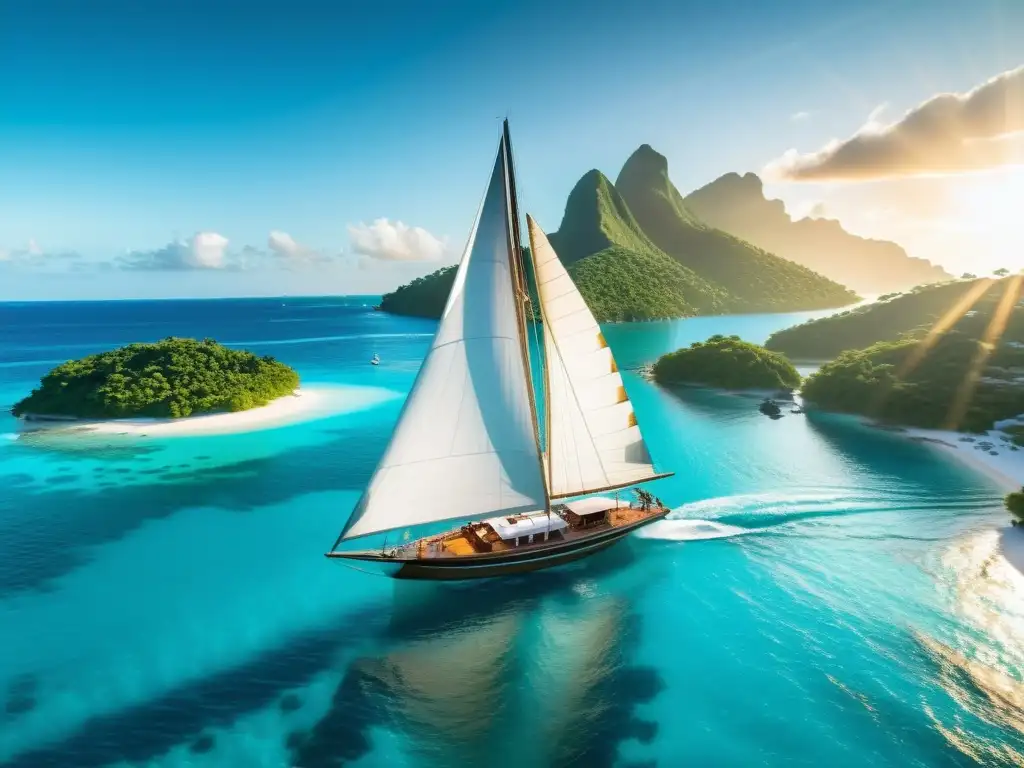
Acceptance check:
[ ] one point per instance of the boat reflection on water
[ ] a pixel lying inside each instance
(531, 671)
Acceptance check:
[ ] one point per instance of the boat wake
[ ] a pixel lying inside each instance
(729, 516)
(691, 530)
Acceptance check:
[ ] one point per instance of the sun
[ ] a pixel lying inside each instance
(991, 206)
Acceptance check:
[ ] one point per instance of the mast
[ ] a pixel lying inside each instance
(522, 297)
(465, 445)
(549, 476)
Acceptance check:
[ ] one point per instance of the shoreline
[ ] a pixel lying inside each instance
(1005, 468)
(304, 404)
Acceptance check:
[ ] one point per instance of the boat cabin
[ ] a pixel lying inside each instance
(514, 530)
(585, 513)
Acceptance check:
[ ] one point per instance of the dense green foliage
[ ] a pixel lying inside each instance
(619, 271)
(173, 377)
(757, 281)
(423, 297)
(621, 285)
(899, 315)
(1015, 504)
(726, 362)
(956, 383)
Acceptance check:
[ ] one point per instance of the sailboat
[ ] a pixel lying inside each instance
(467, 445)
(374, 360)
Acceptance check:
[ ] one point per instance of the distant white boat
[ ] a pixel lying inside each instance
(375, 360)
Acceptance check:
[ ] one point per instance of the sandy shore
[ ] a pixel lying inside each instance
(305, 404)
(999, 463)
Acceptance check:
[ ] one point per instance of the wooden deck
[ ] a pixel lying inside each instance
(456, 544)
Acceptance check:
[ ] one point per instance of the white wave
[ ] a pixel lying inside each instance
(691, 530)
(8, 436)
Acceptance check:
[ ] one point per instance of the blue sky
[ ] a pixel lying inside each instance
(128, 128)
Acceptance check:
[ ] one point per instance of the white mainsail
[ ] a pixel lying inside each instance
(465, 446)
(593, 439)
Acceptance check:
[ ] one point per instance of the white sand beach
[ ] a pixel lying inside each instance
(990, 454)
(305, 404)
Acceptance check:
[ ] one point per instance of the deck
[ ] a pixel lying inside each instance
(454, 544)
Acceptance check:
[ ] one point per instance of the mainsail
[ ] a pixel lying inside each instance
(465, 444)
(593, 440)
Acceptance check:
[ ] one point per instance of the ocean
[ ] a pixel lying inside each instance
(824, 594)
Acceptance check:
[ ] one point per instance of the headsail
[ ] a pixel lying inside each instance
(594, 442)
(464, 446)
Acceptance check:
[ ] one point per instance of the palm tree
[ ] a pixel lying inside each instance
(646, 498)
(1001, 272)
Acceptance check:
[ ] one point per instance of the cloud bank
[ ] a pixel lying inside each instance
(394, 241)
(205, 250)
(946, 134)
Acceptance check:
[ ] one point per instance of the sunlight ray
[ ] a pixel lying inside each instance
(943, 324)
(994, 331)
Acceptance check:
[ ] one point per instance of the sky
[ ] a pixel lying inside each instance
(173, 149)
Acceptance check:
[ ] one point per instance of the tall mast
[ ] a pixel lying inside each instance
(523, 297)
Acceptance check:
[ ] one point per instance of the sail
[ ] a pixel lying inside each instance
(593, 442)
(465, 446)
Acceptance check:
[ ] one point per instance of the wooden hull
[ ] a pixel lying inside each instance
(508, 563)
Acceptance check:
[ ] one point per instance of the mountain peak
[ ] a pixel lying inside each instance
(647, 159)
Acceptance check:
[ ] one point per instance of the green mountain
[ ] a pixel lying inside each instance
(619, 271)
(644, 255)
(895, 317)
(758, 281)
(737, 204)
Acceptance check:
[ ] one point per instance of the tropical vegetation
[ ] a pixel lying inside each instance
(966, 304)
(952, 381)
(423, 297)
(170, 378)
(1015, 506)
(726, 362)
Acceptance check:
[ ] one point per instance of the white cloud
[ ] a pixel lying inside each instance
(394, 241)
(206, 250)
(798, 117)
(947, 134)
(284, 244)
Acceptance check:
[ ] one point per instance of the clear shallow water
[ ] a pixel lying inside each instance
(823, 594)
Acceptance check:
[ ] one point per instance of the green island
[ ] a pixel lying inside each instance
(170, 378)
(636, 252)
(726, 362)
(946, 356)
(890, 318)
(423, 297)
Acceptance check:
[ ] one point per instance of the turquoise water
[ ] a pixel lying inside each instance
(825, 594)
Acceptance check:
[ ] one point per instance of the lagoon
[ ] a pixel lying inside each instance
(825, 594)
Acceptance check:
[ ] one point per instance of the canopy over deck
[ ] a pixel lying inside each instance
(522, 525)
(592, 505)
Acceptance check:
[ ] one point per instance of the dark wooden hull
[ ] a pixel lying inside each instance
(491, 564)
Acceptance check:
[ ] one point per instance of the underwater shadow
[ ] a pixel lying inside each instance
(452, 678)
(74, 522)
